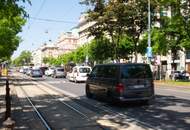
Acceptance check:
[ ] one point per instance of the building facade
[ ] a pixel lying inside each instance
(46, 50)
(66, 43)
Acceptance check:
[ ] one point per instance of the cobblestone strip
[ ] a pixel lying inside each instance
(2, 106)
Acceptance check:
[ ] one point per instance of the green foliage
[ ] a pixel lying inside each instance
(159, 42)
(12, 18)
(23, 59)
(100, 49)
(117, 18)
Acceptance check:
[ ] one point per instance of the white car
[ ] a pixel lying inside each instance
(79, 73)
(49, 71)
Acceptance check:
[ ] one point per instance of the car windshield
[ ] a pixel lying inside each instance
(84, 70)
(36, 72)
(136, 71)
(62, 70)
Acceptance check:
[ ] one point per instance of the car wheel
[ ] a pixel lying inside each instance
(88, 93)
(75, 80)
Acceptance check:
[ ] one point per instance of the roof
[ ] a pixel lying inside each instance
(119, 64)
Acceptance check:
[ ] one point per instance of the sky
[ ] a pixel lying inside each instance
(37, 32)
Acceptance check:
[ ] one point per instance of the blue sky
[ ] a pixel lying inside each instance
(36, 32)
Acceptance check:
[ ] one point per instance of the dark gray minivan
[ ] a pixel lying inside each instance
(121, 82)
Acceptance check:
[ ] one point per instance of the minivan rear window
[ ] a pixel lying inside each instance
(136, 71)
(84, 70)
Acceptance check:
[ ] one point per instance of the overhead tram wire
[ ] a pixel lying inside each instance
(38, 12)
(52, 20)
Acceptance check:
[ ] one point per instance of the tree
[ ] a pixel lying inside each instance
(118, 18)
(177, 26)
(24, 58)
(100, 50)
(12, 18)
(159, 42)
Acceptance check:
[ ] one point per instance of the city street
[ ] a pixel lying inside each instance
(169, 111)
(95, 65)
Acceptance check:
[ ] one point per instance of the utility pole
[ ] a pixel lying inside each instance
(149, 48)
(149, 30)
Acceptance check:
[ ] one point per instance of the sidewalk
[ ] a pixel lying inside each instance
(168, 83)
(2, 105)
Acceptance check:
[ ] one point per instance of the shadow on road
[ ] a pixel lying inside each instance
(166, 112)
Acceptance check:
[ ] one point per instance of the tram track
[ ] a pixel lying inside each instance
(100, 109)
(42, 116)
(103, 108)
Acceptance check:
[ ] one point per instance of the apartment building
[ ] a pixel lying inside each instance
(46, 50)
(37, 57)
(67, 42)
(82, 28)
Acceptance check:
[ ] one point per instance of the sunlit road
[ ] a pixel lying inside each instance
(169, 111)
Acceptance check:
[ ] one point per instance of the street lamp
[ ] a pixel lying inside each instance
(149, 48)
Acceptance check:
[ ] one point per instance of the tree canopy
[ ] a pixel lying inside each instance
(12, 18)
(23, 59)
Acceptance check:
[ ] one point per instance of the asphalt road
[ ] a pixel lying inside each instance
(169, 111)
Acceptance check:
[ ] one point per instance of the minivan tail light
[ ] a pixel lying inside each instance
(120, 88)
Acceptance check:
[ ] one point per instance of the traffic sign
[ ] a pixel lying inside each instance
(149, 52)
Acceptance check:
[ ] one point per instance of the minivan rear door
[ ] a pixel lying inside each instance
(137, 79)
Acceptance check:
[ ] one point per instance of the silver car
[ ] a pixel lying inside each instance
(59, 73)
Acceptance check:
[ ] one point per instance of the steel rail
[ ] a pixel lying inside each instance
(106, 109)
(69, 106)
(36, 110)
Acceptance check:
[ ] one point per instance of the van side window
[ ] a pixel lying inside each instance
(100, 71)
(94, 72)
(136, 71)
(110, 71)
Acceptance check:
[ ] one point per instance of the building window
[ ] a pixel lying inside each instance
(188, 54)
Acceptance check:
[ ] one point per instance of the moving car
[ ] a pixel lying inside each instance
(121, 82)
(58, 72)
(49, 71)
(79, 73)
(36, 73)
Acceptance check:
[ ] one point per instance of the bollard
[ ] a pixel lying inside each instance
(8, 124)
(8, 101)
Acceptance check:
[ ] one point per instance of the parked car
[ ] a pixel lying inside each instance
(36, 73)
(177, 75)
(49, 71)
(185, 75)
(121, 82)
(79, 73)
(58, 72)
(43, 69)
(28, 71)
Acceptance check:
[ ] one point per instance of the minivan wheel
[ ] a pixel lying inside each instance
(147, 102)
(88, 93)
(110, 99)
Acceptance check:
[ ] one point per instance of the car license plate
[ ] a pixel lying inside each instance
(138, 86)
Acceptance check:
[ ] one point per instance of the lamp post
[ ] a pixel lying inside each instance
(149, 30)
(149, 49)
